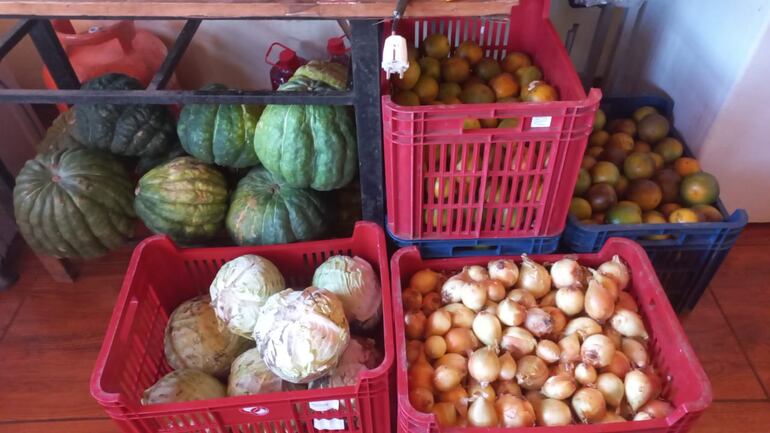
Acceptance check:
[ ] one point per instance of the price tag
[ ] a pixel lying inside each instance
(324, 405)
(329, 424)
(541, 121)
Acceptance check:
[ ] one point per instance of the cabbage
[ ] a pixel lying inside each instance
(240, 288)
(183, 385)
(354, 281)
(249, 376)
(194, 338)
(301, 334)
(360, 355)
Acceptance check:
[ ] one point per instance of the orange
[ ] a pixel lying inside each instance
(642, 146)
(508, 99)
(411, 75)
(472, 80)
(669, 208)
(430, 67)
(683, 215)
(489, 123)
(477, 94)
(599, 138)
(455, 70)
(426, 88)
(412, 53)
(448, 90)
(686, 166)
(406, 97)
(540, 91)
(514, 61)
(452, 100)
(471, 124)
(436, 46)
(470, 51)
(509, 123)
(504, 85)
(621, 140)
(487, 69)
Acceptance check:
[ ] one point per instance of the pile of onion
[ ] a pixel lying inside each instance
(521, 345)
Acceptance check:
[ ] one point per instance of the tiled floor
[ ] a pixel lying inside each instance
(50, 334)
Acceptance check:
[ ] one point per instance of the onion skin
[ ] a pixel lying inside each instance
(477, 273)
(656, 409)
(628, 324)
(411, 300)
(507, 367)
(538, 322)
(484, 365)
(638, 389)
(461, 340)
(636, 352)
(599, 303)
(446, 414)
(523, 297)
(414, 351)
(495, 290)
(507, 387)
(626, 302)
(597, 351)
(553, 412)
(482, 413)
(570, 300)
(453, 288)
(548, 300)
(510, 312)
(584, 327)
(462, 316)
(589, 405)
(534, 278)
(518, 341)
(474, 296)
(611, 387)
(430, 303)
(487, 328)
(446, 378)
(414, 325)
(435, 347)
(559, 387)
(607, 282)
(548, 351)
(559, 320)
(513, 411)
(617, 270)
(454, 360)
(570, 349)
(425, 281)
(585, 374)
(610, 418)
(619, 366)
(531, 372)
(567, 272)
(421, 399)
(458, 397)
(438, 323)
(504, 271)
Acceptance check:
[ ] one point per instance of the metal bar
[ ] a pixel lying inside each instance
(16, 34)
(365, 56)
(163, 97)
(174, 55)
(53, 55)
(597, 45)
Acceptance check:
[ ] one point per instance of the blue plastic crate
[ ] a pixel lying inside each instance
(690, 256)
(480, 247)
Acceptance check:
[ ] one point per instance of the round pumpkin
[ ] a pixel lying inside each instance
(74, 202)
(59, 134)
(184, 199)
(309, 146)
(123, 129)
(220, 134)
(266, 210)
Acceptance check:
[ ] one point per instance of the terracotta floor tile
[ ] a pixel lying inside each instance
(77, 426)
(746, 417)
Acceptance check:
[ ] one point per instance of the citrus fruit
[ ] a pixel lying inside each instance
(627, 126)
(528, 74)
(707, 213)
(477, 94)
(504, 85)
(598, 217)
(645, 193)
(470, 51)
(430, 67)
(487, 68)
(588, 162)
(599, 138)
(620, 214)
(426, 88)
(540, 91)
(657, 159)
(594, 151)
(670, 149)
(605, 172)
(653, 128)
(653, 217)
(642, 112)
(436, 46)
(471, 124)
(406, 97)
(699, 188)
(452, 100)
(583, 182)
(621, 140)
(683, 215)
(642, 146)
(412, 53)
(411, 75)
(448, 90)
(580, 208)
(631, 204)
(508, 99)
(686, 166)
(601, 196)
(455, 70)
(621, 186)
(472, 80)
(432, 218)
(668, 208)
(600, 119)
(513, 61)
(437, 186)
(614, 155)
(489, 123)
(509, 123)
(639, 165)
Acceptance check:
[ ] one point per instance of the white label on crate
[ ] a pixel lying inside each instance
(320, 406)
(329, 424)
(541, 121)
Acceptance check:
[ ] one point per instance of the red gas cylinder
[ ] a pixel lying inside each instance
(337, 50)
(117, 47)
(283, 69)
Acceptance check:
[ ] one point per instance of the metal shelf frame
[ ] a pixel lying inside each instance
(363, 93)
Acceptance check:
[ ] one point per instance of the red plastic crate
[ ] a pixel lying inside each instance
(490, 175)
(161, 276)
(686, 385)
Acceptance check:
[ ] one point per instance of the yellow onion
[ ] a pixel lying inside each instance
(487, 328)
(607, 282)
(514, 411)
(482, 413)
(597, 351)
(617, 270)
(655, 409)
(495, 290)
(562, 368)
(490, 307)
(507, 387)
(420, 375)
(569, 348)
(458, 396)
(611, 387)
(477, 273)
(421, 399)
(548, 300)
(533, 277)
(504, 271)
(452, 289)
(486, 391)
(438, 323)
(454, 360)
(655, 380)
(462, 316)
(538, 322)
(446, 378)
(638, 389)
(613, 335)
(518, 341)
(599, 303)
(510, 312)
(626, 302)
(411, 300)
(619, 366)
(446, 414)
(558, 318)
(474, 296)
(531, 372)
(553, 412)
(570, 300)
(507, 367)
(610, 417)
(460, 340)
(636, 352)
(589, 405)
(414, 351)
(585, 374)
(628, 324)
(567, 272)
(523, 297)
(414, 324)
(584, 327)
(435, 347)
(430, 303)
(484, 365)
(425, 281)
(535, 398)
(559, 387)
(548, 351)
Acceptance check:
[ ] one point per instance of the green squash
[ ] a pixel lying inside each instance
(265, 210)
(184, 199)
(220, 134)
(60, 134)
(74, 202)
(121, 129)
(309, 146)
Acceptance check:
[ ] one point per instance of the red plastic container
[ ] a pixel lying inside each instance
(337, 51)
(288, 62)
(686, 385)
(160, 276)
(527, 171)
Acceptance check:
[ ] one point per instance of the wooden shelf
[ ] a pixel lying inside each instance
(229, 9)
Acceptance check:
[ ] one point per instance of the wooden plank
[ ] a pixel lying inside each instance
(10, 301)
(720, 354)
(743, 417)
(250, 8)
(65, 426)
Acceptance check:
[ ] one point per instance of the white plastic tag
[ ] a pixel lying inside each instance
(541, 121)
(329, 424)
(324, 405)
